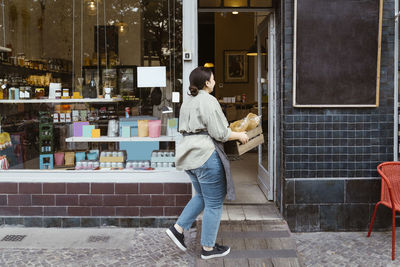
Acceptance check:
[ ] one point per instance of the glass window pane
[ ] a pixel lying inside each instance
(209, 3)
(235, 3)
(260, 3)
(92, 49)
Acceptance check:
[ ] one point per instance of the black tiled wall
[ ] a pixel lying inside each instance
(330, 155)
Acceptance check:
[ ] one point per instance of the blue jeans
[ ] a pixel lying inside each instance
(209, 183)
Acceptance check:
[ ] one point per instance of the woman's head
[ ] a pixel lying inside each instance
(201, 78)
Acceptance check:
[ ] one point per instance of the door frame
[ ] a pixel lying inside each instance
(190, 46)
(267, 178)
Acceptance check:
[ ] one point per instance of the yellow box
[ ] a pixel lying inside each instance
(76, 95)
(95, 133)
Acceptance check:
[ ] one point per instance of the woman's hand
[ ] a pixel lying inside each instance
(243, 137)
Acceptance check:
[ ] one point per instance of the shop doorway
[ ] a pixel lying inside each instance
(240, 48)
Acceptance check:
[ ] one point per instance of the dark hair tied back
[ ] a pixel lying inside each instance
(193, 90)
(198, 78)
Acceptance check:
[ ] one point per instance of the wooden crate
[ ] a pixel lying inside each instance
(256, 138)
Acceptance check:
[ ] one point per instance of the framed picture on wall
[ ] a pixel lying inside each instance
(236, 66)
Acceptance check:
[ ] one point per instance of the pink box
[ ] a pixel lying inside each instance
(59, 158)
(155, 128)
(78, 127)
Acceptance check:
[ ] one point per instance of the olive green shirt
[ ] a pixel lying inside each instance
(197, 114)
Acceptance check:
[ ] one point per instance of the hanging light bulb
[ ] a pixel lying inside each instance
(122, 27)
(91, 6)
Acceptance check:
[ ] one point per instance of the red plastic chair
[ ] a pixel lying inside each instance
(390, 194)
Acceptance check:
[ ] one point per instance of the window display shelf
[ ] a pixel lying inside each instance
(122, 139)
(80, 100)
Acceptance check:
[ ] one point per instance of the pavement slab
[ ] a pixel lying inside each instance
(346, 249)
(109, 247)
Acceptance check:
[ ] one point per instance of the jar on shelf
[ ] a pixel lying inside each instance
(21, 59)
(39, 93)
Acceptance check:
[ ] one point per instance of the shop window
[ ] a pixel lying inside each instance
(69, 69)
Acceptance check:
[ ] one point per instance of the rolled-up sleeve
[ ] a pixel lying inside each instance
(217, 125)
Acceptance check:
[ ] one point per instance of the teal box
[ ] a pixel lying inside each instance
(126, 131)
(79, 156)
(87, 130)
(91, 155)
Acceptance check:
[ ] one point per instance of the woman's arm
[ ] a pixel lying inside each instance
(241, 136)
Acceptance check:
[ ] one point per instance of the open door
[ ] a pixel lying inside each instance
(267, 104)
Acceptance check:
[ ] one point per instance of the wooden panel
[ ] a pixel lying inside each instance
(251, 144)
(337, 53)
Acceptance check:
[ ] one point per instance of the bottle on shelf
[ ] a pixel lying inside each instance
(1, 89)
(4, 86)
(91, 88)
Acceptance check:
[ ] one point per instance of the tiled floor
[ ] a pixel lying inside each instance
(267, 212)
(244, 173)
(250, 212)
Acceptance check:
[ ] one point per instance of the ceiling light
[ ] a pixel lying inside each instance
(235, 12)
(122, 27)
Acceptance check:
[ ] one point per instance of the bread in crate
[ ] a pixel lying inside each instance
(250, 124)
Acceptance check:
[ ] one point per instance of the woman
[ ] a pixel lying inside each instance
(200, 154)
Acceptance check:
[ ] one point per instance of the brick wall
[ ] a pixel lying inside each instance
(91, 204)
(330, 155)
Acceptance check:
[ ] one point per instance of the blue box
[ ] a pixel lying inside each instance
(79, 156)
(137, 150)
(46, 161)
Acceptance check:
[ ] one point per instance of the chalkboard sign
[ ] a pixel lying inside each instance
(337, 50)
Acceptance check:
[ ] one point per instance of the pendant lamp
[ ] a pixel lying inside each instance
(253, 50)
(91, 6)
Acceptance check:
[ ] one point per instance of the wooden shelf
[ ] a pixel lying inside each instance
(122, 139)
(81, 100)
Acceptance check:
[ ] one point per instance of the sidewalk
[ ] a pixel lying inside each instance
(347, 249)
(93, 247)
(151, 247)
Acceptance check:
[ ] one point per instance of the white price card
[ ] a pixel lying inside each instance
(151, 77)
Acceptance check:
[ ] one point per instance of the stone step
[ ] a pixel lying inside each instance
(253, 243)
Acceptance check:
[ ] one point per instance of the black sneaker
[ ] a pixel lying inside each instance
(218, 251)
(178, 238)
